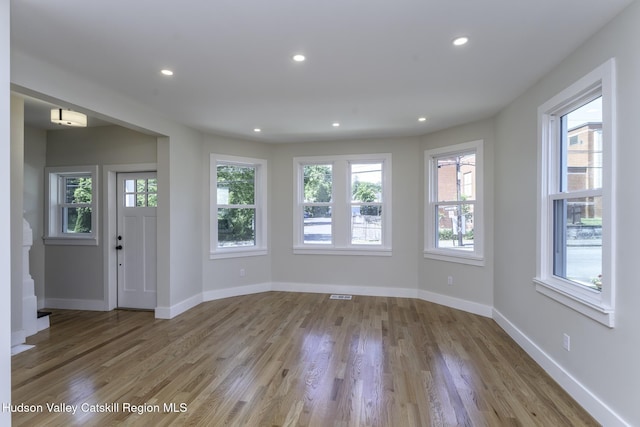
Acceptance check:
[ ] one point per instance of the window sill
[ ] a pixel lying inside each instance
(594, 310)
(71, 241)
(306, 250)
(237, 253)
(460, 258)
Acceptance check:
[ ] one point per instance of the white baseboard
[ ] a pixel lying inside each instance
(18, 337)
(373, 291)
(43, 323)
(457, 303)
(236, 291)
(589, 401)
(75, 304)
(179, 308)
(17, 349)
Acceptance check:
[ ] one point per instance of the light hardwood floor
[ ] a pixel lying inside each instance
(287, 359)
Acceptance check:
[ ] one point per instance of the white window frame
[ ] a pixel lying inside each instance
(431, 250)
(54, 202)
(599, 306)
(260, 204)
(341, 206)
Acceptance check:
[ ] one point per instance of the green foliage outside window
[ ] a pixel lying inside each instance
(367, 192)
(78, 192)
(236, 191)
(317, 188)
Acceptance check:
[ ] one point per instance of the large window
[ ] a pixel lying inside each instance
(576, 181)
(453, 211)
(343, 204)
(71, 204)
(238, 212)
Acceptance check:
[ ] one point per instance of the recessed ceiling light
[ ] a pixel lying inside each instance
(167, 72)
(299, 57)
(335, 124)
(422, 119)
(257, 130)
(460, 41)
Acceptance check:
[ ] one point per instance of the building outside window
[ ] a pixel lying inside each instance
(453, 211)
(575, 221)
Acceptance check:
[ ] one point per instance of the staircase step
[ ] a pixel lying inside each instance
(42, 313)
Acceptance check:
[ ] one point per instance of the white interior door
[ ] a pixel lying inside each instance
(136, 242)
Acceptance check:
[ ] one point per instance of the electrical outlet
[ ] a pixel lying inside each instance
(566, 342)
(450, 280)
(242, 272)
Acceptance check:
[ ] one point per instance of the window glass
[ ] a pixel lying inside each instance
(76, 209)
(455, 185)
(317, 205)
(453, 212)
(366, 208)
(318, 182)
(236, 227)
(140, 193)
(236, 185)
(343, 205)
(577, 221)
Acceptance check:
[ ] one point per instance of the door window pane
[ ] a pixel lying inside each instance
(141, 193)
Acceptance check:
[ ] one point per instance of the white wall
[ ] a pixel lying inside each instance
(35, 158)
(17, 162)
(225, 273)
(398, 272)
(470, 283)
(603, 362)
(5, 221)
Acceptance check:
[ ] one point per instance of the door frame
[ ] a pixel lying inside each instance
(110, 187)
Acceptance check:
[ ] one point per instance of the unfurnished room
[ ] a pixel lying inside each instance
(303, 213)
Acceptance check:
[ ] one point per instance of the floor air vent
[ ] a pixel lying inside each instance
(344, 297)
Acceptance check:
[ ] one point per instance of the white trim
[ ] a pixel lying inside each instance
(344, 289)
(260, 205)
(341, 205)
(236, 252)
(597, 306)
(179, 308)
(330, 250)
(456, 303)
(462, 256)
(448, 256)
(235, 291)
(76, 304)
(17, 349)
(18, 337)
(110, 212)
(52, 220)
(589, 401)
(606, 316)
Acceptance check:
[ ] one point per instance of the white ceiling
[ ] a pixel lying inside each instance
(375, 66)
